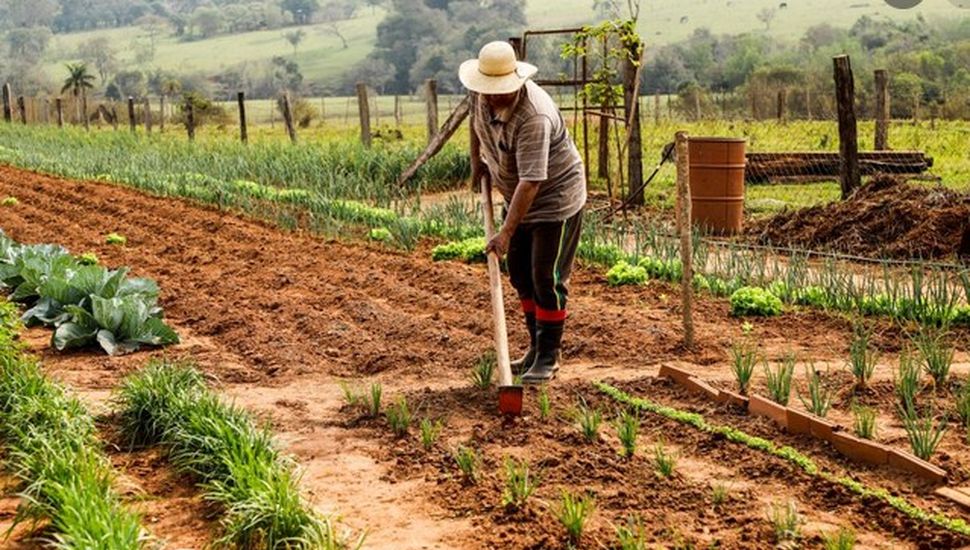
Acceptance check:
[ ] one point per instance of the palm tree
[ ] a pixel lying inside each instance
(78, 81)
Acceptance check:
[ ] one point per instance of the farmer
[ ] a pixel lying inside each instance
(536, 167)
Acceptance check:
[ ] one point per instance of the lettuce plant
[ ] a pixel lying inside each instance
(754, 301)
(469, 251)
(625, 274)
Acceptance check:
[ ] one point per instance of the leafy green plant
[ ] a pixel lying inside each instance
(467, 460)
(374, 403)
(843, 539)
(862, 358)
(88, 258)
(744, 356)
(664, 462)
(627, 429)
(380, 234)
(115, 239)
(223, 449)
(632, 535)
(754, 301)
(484, 371)
(9, 201)
(625, 274)
(589, 421)
(574, 513)
(963, 404)
(908, 381)
(399, 417)
(469, 251)
(864, 423)
(430, 431)
(779, 380)
(520, 483)
(785, 522)
(545, 404)
(819, 397)
(936, 353)
(923, 432)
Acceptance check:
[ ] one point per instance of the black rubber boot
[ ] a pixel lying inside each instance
(548, 353)
(519, 366)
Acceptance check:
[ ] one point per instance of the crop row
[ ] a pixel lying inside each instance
(84, 302)
(233, 460)
(51, 446)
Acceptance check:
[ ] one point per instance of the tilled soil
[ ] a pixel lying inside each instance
(277, 318)
(887, 218)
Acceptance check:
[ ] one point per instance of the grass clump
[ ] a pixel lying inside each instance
(231, 458)
(864, 421)
(664, 462)
(374, 403)
(574, 513)
(399, 417)
(819, 400)
(779, 380)
(923, 431)
(545, 404)
(467, 460)
(785, 522)
(936, 354)
(862, 358)
(754, 301)
(719, 493)
(622, 273)
(744, 356)
(484, 370)
(843, 539)
(589, 420)
(116, 239)
(631, 535)
(627, 429)
(520, 484)
(430, 432)
(50, 445)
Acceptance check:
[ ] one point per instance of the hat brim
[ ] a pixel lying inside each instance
(476, 81)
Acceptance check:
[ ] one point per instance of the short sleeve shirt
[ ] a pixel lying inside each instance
(529, 141)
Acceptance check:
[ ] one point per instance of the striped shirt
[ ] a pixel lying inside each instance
(529, 141)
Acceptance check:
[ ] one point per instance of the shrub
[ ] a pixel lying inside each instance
(754, 301)
(625, 274)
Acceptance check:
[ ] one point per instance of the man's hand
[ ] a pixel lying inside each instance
(499, 243)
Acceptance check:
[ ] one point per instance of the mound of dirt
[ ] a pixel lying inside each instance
(887, 218)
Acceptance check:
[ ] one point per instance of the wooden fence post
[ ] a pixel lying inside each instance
(190, 119)
(132, 122)
(882, 110)
(397, 110)
(243, 130)
(431, 90)
(364, 110)
(59, 106)
(656, 109)
(782, 103)
(148, 115)
(808, 102)
(47, 110)
(22, 109)
(7, 108)
(114, 115)
(634, 145)
(851, 178)
(684, 230)
(161, 114)
(604, 144)
(288, 117)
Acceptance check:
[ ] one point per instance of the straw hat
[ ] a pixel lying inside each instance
(496, 70)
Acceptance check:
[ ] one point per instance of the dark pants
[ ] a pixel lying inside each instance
(540, 259)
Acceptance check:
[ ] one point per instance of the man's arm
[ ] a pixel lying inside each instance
(525, 194)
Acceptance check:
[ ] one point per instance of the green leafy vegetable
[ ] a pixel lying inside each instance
(754, 301)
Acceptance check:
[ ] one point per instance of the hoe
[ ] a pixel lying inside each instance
(509, 395)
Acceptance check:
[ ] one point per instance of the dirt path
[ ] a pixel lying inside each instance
(278, 317)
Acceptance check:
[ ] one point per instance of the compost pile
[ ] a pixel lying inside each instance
(888, 218)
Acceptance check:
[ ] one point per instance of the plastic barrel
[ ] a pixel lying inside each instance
(717, 183)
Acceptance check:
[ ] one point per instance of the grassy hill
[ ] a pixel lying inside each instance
(322, 57)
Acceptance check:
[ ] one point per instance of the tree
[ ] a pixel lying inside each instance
(302, 10)
(130, 83)
(207, 21)
(19, 14)
(78, 81)
(98, 52)
(295, 37)
(28, 44)
(153, 26)
(766, 16)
